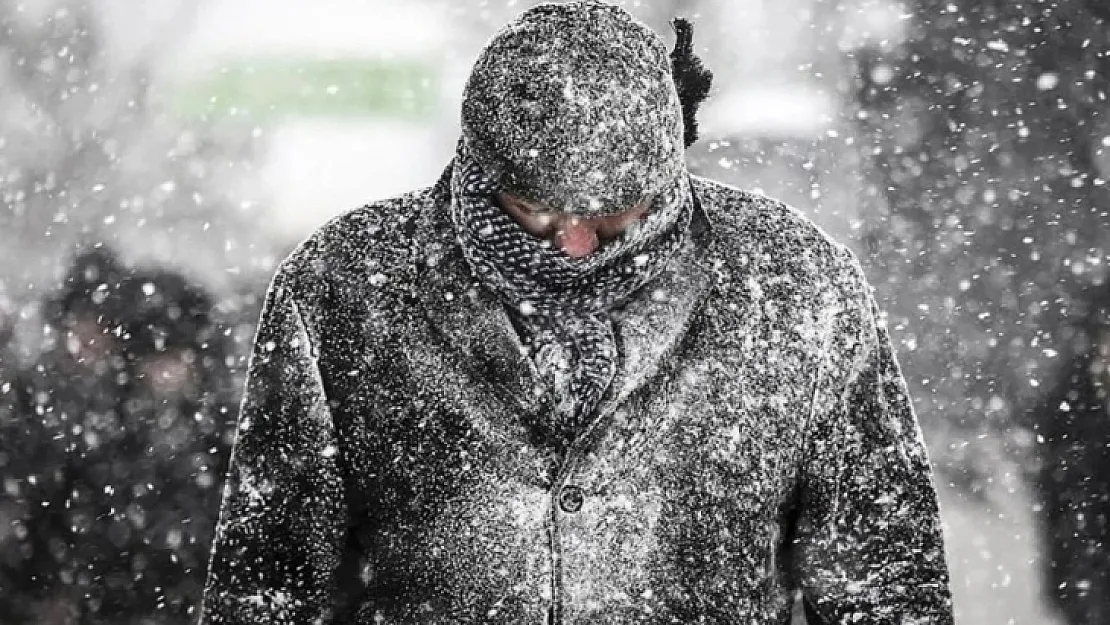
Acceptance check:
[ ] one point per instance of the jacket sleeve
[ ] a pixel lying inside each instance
(283, 521)
(869, 544)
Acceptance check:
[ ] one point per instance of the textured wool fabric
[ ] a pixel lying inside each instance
(574, 106)
(749, 435)
(758, 442)
(563, 304)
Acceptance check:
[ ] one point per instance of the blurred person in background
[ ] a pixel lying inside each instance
(181, 406)
(571, 383)
(1072, 476)
(74, 382)
(118, 454)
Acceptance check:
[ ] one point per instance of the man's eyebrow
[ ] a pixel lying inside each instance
(531, 206)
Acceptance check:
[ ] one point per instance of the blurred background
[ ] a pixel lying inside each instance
(158, 159)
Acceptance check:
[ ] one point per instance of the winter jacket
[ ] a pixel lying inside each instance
(758, 439)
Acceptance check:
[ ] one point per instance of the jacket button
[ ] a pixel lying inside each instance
(570, 499)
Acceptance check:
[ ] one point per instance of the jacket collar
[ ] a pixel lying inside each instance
(474, 323)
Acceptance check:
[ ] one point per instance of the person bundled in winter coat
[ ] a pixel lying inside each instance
(116, 456)
(573, 383)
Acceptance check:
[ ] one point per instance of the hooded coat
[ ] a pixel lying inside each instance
(753, 438)
(758, 439)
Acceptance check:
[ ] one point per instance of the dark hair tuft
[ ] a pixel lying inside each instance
(691, 77)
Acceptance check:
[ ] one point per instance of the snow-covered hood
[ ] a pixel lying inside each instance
(574, 105)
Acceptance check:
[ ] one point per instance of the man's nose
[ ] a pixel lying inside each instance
(576, 237)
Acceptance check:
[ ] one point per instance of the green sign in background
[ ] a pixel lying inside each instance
(264, 88)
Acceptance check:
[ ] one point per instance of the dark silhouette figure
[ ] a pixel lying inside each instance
(117, 452)
(1072, 481)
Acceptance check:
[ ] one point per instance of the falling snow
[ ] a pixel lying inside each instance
(885, 404)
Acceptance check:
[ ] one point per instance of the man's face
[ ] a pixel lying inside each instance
(577, 236)
(87, 341)
(170, 374)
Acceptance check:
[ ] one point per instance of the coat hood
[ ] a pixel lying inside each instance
(574, 106)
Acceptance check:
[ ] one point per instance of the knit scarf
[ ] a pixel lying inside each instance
(560, 304)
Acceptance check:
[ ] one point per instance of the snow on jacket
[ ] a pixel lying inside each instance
(758, 439)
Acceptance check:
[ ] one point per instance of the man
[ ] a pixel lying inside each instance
(112, 461)
(573, 384)
(178, 416)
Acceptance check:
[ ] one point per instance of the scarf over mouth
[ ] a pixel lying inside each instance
(573, 106)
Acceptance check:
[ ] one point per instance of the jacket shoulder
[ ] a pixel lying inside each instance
(369, 245)
(773, 242)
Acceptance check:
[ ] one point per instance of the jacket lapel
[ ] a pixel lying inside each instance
(650, 327)
(468, 318)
